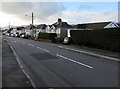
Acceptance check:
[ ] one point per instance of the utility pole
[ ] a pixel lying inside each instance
(32, 18)
(32, 25)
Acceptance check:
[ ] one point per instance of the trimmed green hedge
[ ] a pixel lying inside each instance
(108, 39)
(51, 36)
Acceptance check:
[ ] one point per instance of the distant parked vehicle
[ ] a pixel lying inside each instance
(11, 34)
(7, 34)
(67, 40)
(22, 36)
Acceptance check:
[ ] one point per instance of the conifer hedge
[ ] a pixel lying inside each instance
(108, 39)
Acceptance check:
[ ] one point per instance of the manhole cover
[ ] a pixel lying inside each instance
(42, 56)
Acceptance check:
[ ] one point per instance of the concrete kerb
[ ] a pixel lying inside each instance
(91, 54)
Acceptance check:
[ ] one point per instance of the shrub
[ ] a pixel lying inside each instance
(51, 36)
(108, 39)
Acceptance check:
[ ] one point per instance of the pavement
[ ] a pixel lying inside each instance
(48, 65)
(93, 52)
(12, 74)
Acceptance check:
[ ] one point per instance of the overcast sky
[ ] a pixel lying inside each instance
(49, 12)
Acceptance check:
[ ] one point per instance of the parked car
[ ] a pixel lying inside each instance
(67, 40)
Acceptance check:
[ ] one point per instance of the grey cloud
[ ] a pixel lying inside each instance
(42, 10)
(16, 8)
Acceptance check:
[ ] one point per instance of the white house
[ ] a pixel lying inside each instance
(29, 30)
(13, 31)
(53, 28)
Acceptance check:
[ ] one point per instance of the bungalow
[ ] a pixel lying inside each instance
(91, 26)
(112, 25)
(98, 25)
(118, 24)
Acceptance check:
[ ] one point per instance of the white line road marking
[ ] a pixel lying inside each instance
(30, 44)
(92, 54)
(43, 49)
(30, 79)
(75, 61)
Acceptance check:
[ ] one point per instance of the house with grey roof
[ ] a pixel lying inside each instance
(60, 28)
(30, 30)
(91, 26)
(97, 25)
(113, 25)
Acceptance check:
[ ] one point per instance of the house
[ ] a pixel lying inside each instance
(48, 29)
(118, 24)
(91, 26)
(4, 31)
(29, 30)
(113, 25)
(98, 25)
(60, 28)
(20, 30)
(12, 32)
(53, 28)
(39, 28)
(42, 27)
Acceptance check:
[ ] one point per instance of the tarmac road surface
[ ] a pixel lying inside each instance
(49, 66)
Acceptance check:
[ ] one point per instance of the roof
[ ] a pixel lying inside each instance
(92, 25)
(63, 24)
(55, 24)
(118, 24)
(20, 28)
(50, 26)
(9, 30)
(112, 25)
(42, 26)
(30, 27)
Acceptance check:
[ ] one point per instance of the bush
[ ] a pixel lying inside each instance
(108, 39)
(50, 36)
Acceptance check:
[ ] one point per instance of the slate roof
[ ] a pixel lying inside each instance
(118, 24)
(63, 24)
(9, 30)
(99, 25)
(30, 27)
(20, 28)
(42, 26)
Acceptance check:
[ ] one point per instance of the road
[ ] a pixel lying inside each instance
(11, 71)
(49, 66)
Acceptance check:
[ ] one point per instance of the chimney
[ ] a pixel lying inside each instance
(59, 20)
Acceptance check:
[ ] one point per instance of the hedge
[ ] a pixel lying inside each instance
(51, 36)
(108, 39)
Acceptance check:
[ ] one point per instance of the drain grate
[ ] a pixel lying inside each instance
(42, 56)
